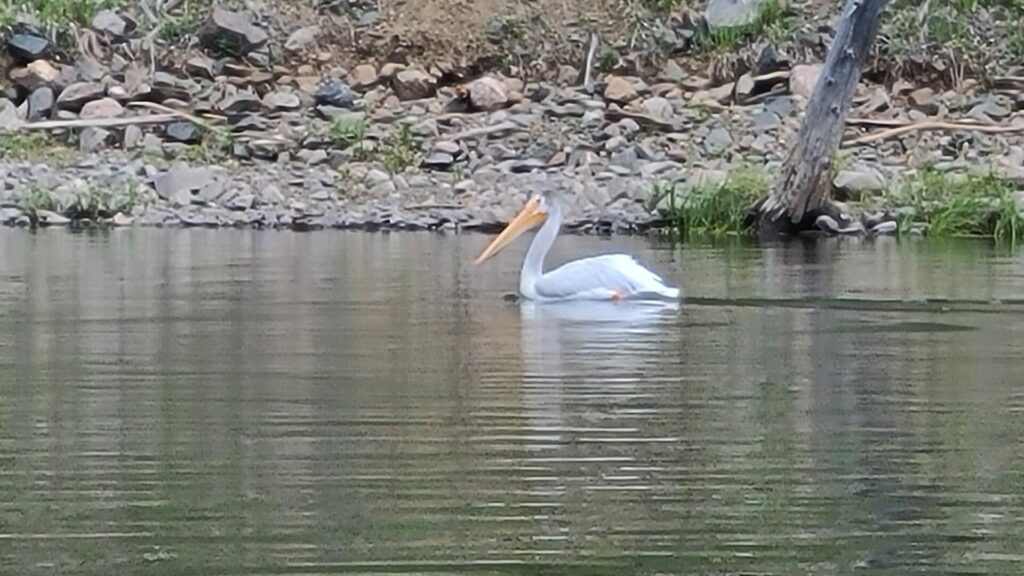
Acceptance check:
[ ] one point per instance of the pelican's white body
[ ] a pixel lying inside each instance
(603, 277)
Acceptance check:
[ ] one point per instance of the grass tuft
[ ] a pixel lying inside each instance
(974, 205)
(181, 23)
(400, 150)
(714, 209)
(771, 24)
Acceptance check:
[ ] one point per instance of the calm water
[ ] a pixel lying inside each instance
(219, 402)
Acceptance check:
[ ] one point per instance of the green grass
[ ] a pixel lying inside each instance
(976, 205)
(59, 13)
(607, 58)
(348, 130)
(771, 24)
(35, 199)
(95, 203)
(663, 5)
(399, 151)
(181, 23)
(714, 209)
(214, 146)
(957, 33)
(35, 144)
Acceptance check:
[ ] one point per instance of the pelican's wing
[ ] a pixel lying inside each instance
(599, 275)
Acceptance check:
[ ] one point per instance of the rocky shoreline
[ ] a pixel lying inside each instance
(226, 138)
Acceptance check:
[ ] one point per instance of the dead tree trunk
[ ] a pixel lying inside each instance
(802, 187)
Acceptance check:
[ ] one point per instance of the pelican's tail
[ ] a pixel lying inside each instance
(662, 291)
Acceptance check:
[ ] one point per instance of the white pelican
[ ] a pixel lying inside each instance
(608, 277)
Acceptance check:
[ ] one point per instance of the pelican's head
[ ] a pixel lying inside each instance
(532, 215)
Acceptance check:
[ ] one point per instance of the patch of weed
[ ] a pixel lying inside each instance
(607, 58)
(399, 150)
(54, 13)
(97, 202)
(34, 144)
(36, 199)
(181, 23)
(506, 27)
(980, 204)
(663, 5)
(348, 130)
(714, 209)
(958, 34)
(770, 24)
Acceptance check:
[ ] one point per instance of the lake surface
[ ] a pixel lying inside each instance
(236, 402)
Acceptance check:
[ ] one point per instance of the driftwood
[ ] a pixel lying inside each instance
(949, 126)
(802, 185)
(169, 115)
(99, 122)
(506, 126)
(588, 65)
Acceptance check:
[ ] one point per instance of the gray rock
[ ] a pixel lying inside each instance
(302, 38)
(212, 190)
(855, 184)
(437, 160)
(619, 90)
(731, 13)
(49, 218)
(239, 103)
(992, 107)
(271, 194)
(28, 45)
(832, 226)
(132, 137)
(364, 77)
(924, 100)
(231, 33)
(652, 169)
(331, 112)
(488, 94)
(184, 132)
(334, 92)
(782, 106)
(765, 120)
(770, 60)
(374, 177)
(448, 147)
(593, 118)
(626, 158)
(886, 228)
(181, 178)
(40, 103)
(76, 95)
(152, 144)
(615, 143)
(717, 141)
(241, 202)
(102, 108)
(93, 139)
(112, 25)
(312, 157)
(658, 107)
(763, 144)
(282, 99)
(671, 72)
(802, 79)
(413, 85)
(35, 75)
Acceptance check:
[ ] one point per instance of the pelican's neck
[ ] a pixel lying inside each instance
(533, 265)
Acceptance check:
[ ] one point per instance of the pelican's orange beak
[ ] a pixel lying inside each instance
(528, 218)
